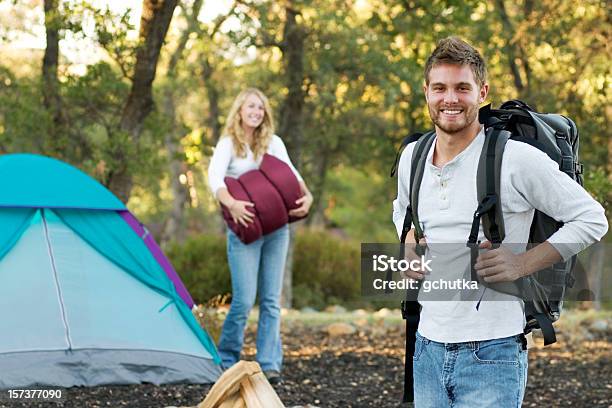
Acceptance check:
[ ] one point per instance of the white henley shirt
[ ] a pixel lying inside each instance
(224, 161)
(447, 201)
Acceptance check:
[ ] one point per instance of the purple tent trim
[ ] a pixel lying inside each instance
(159, 256)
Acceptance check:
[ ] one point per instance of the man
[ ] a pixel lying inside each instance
(465, 355)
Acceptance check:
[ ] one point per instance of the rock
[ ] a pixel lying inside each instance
(360, 312)
(307, 310)
(340, 329)
(336, 309)
(384, 312)
(378, 332)
(304, 406)
(361, 322)
(599, 326)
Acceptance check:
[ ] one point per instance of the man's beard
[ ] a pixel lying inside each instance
(470, 114)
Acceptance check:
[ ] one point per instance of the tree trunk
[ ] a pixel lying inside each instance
(50, 87)
(291, 122)
(512, 50)
(174, 229)
(287, 294)
(596, 272)
(213, 101)
(609, 164)
(318, 218)
(154, 23)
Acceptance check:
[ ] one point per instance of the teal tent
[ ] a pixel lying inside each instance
(86, 295)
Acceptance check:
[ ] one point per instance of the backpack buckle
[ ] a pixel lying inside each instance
(567, 164)
(578, 168)
(485, 206)
(404, 310)
(570, 280)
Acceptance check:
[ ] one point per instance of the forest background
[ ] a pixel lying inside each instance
(135, 94)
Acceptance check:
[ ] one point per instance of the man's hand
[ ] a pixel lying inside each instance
(409, 255)
(500, 265)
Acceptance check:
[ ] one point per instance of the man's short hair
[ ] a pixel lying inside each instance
(453, 50)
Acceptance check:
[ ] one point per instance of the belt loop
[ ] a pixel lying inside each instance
(523, 341)
(475, 345)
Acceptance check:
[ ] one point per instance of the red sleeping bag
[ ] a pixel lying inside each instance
(273, 188)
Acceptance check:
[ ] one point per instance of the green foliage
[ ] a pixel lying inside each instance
(362, 86)
(201, 263)
(22, 119)
(326, 268)
(359, 202)
(600, 185)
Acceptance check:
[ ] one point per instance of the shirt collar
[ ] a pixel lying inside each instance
(475, 144)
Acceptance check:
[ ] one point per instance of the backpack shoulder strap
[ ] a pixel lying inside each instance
(407, 140)
(488, 187)
(411, 309)
(419, 158)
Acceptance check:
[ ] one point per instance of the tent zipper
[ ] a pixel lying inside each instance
(56, 278)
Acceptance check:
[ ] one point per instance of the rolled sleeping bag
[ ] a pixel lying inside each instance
(273, 188)
(246, 235)
(282, 178)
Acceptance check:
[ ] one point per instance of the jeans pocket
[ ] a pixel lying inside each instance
(418, 348)
(500, 351)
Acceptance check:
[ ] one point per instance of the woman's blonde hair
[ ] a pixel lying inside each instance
(262, 134)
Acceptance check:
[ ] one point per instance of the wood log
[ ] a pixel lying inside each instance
(229, 383)
(249, 394)
(265, 393)
(233, 401)
(244, 385)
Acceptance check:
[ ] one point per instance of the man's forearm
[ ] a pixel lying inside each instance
(539, 257)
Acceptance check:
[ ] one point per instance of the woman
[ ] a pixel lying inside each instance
(257, 267)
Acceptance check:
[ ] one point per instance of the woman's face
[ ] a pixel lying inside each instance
(252, 112)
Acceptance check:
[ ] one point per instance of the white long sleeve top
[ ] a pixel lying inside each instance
(225, 163)
(447, 200)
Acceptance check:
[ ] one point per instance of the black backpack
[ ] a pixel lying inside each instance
(555, 135)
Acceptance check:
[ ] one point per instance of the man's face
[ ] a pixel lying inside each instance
(453, 97)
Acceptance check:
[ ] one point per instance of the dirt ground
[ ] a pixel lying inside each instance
(365, 369)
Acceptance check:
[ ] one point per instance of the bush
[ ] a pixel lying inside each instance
(325, 268)
(201, 263)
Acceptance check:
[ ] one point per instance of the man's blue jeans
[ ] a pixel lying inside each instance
(491, 373)
(256, 268)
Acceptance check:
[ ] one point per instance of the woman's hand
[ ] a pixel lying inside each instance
(305, 202)
(240, 213)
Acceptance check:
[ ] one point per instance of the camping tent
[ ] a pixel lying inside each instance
(86, 295)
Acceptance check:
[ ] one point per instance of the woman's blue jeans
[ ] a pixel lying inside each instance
(256, 268)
